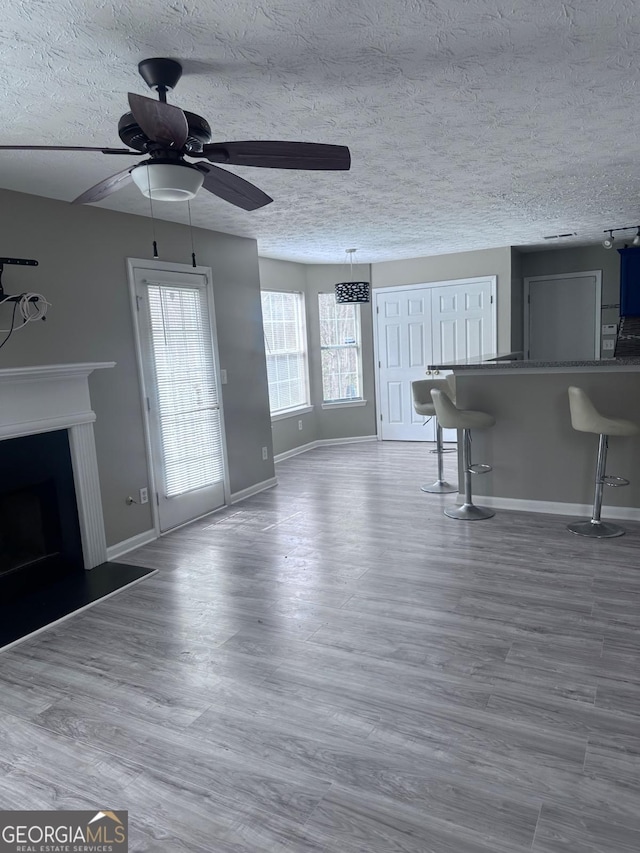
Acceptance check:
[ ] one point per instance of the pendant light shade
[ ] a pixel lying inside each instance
(352, 291)
(167, 181)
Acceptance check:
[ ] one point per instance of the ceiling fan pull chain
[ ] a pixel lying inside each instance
(193, 251)
(153, 222)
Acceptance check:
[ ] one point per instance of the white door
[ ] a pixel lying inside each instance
(404, 345)
(178, 354)
(421, 325)
(562, 317)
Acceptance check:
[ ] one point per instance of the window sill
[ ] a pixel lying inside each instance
(344, 404)
(291, 413)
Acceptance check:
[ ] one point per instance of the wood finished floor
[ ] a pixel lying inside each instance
(333, 665)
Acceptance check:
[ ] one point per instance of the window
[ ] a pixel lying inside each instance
(340, 349)
(285, 340)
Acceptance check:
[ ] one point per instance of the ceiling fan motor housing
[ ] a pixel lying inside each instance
(132, 134)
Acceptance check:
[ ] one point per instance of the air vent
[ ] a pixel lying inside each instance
(559, 236)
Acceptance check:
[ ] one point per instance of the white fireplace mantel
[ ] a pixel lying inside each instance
(56, 397)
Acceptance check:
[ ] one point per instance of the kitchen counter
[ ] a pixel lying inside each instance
(510, 362)
(539, 461)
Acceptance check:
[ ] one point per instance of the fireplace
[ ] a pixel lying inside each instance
(51, 520)
(40, 538)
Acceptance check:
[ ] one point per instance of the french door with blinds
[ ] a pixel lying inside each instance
(174, 313)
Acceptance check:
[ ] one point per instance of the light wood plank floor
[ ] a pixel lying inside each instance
(333, 665)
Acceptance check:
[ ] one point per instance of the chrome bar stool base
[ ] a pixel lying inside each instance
(596, 529)
(469, 512)
(440, 487)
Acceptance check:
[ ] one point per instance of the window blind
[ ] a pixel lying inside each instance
(340, 349)
(186, 390)
(285, 345)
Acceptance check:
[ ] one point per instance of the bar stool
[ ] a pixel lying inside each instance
(586, 418)
(450, 417)
(423, 405)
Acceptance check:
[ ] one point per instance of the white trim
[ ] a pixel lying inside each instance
(625, 513)
(78, 610)
(243, 494)
(114, 552)
(291, 413)
(322, 442)
(493, 279)
(344, 404)
(134, 264)
(597, 274)
(295, 451)
(46, 424)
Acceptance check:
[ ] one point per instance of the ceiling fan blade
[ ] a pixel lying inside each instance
(104, 188)
(233, 189)
(160, 121)
(279, 155)
(69, 148)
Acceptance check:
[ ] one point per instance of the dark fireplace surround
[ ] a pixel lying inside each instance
(40, 538)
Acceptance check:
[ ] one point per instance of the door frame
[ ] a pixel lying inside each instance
(134, 264)
(492, 279)
(598, 310)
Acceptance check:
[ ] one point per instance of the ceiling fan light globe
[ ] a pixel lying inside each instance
(167, 181)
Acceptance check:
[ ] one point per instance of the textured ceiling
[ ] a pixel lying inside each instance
(471, 124)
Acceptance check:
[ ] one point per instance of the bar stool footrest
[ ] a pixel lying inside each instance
(479, 468)
(614, 482)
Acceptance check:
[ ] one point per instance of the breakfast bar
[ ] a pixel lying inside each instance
(540, 463)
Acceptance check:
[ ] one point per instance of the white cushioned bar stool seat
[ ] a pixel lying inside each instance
(586, 418)
(451, 417)
(423, 405)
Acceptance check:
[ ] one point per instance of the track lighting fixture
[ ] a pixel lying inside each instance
(609, 241)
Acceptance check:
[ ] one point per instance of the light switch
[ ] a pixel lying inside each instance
(610, 329)
(223, 376)
(608, 344)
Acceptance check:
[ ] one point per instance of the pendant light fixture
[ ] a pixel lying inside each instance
(352, 291)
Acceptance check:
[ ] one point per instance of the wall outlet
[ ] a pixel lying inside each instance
(299, 424)
(223, 376)
(144, 496)
(265, 453)
(608, 343)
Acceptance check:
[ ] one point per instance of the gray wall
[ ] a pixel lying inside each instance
(517, 302)
(461, 265)
(321, 423)
(82, 253)
(581, 259)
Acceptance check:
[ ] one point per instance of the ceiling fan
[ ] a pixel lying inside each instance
(167, 134)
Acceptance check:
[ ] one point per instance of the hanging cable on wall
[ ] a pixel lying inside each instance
(26, 306)
(153, 221)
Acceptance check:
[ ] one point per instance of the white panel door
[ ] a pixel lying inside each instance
(404, 346)
(176, 334)
(462, 321)
(422, 325)
(563, 317)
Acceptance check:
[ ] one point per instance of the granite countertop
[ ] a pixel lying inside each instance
(510, 361)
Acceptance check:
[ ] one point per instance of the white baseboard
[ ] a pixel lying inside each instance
(623, 513)
(321, 442)
(137, 541)
(295, 451)
(242, 495)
